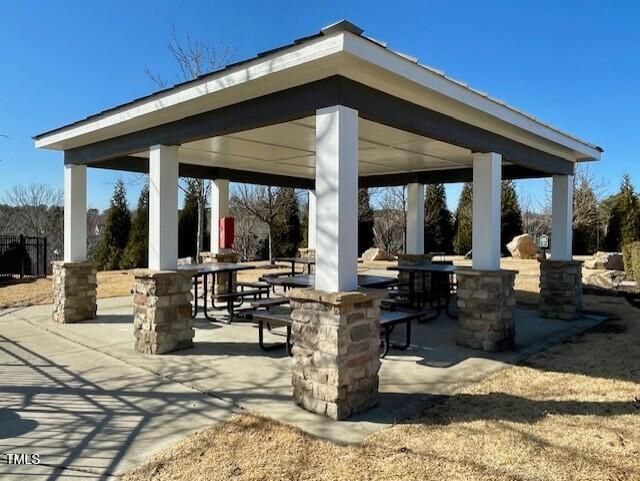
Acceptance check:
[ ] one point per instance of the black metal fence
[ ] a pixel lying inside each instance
(22, 257)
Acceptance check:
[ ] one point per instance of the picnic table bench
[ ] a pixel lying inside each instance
(212, 269)
(270, 319)
(297, 260)
(388, 322)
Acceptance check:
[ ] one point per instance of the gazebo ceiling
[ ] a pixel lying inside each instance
(289, 149)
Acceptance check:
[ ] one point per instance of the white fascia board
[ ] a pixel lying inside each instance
(437, 82)
(261, 67)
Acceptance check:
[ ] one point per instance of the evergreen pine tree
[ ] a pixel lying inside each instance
(438, 222)
(136, 253)
(624, 221)
(511, 216)
(188, 223)
(462, 225)
(286, 232)
(116, 230)
(365, 221)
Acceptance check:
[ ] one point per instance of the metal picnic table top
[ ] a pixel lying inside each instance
(306, 280)
(214, 267)
(445, 268)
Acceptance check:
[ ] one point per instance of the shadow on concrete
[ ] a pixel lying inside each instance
(106, 319)
(12, 425)
(79, 427)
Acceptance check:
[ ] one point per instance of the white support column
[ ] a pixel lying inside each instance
(487, 173)
(415, 219)
(75, 213)
(311, 236)
(219, 209)
(163, 207)
(337, 199)
(562, 218)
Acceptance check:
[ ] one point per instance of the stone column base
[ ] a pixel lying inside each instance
(306, 253)
(74, 291)
(162, 311)
(485, 309)
(336, 348)
(222, 280)
(403, 277)
(560, 289)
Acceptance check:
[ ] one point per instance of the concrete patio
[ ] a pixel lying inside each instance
(82, 398)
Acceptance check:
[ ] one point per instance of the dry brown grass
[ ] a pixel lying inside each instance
(110, 284)
(570, 413)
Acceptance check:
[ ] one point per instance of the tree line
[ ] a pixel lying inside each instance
(599, 222)
(272, 222)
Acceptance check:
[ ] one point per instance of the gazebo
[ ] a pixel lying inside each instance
(331, 113)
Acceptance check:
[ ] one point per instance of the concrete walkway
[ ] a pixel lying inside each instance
(79, 395)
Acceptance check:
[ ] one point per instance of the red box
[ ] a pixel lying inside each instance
(227, 232)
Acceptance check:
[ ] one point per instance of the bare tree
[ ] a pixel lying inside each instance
(535, 219)
(259, 201)
(246, 239)
(35, 210)
(202, 190)
(30, 207)
(588, 190)
(390, 220)
(194, 58)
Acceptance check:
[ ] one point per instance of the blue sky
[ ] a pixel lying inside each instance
(574, 64)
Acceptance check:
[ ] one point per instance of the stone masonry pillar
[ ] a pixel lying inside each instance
(403, 277)
(336, 348)
(221, 285)
(560, 289)
(162, 311)
(74, 291)
(485, 309)
(74, 279)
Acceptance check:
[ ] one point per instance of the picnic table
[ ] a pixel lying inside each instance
(308, 280)
(441, 285)
(213, 269)
(297, 260)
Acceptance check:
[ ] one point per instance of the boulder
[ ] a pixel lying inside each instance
(603, 279)
(523, 247)
(376, 254)
(605, 261)
(186, 261)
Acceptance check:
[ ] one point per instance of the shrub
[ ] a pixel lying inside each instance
(631, 254)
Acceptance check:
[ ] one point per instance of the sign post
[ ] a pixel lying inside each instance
(543, 243)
